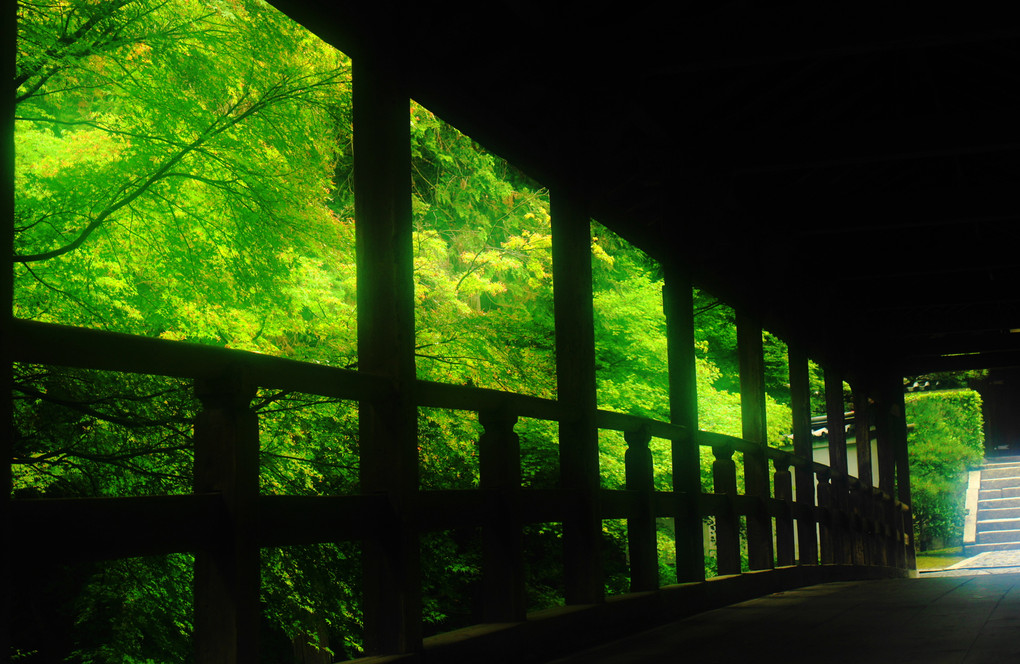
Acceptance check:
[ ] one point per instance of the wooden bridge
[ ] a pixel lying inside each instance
(706, 138)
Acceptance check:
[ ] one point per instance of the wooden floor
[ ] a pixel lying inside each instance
(951, 619)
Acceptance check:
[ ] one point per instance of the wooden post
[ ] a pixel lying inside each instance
(857, 523)
(825, 520)
(9, 39)
(865, 547)
(387, 426)
(800, 406)
(862, 420)
(575, 375)
(226, 585)
(678, 305)
(727, 523)
(756, 469)
(785, 554)
(890, 429)
(840, 488)
(502, 541)
(898, 422)
(644, 559)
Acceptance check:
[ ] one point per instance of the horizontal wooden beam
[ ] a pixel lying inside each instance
(461, 397)
(886, 140)
(72, 529)
(47, 343)
(755, 37)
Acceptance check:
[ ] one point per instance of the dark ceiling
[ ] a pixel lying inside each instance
(846, 170)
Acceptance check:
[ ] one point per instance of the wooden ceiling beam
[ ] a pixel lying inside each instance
(888, 140)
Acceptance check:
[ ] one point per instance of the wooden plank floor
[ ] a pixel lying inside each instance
(950, 619)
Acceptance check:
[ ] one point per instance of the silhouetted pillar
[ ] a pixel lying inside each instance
(898, 426)
(8, 53)
(864, 551)
(387, 425)
(756, 468)
(575, 375)
(838, 462)
(678, 304)
(226, 584)
(825, 521)
(893, 476)
(800, 406)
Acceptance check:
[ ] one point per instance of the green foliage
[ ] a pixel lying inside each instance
(183, 172)
(947, 439)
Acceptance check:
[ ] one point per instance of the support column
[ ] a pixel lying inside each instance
(8, 53)
(885, 424)
(839, 497)
(678, 305)
(575, 375)
(826, 519)
(387, 426)
(800, 406)
(898, 422)
(756, 467)
(227, 610)
(864, 505)
(642, 549)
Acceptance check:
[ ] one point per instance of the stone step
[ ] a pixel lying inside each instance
(990, 494)
(999, 536)
(994, 472)
(974, 549)
(998, 503)
(990, 513)
(985, 525)
(998, 482)
(1000, 460)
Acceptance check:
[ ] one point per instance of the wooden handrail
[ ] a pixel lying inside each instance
(462, 397)
(49, 343)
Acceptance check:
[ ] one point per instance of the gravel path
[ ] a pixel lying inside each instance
(989, 562)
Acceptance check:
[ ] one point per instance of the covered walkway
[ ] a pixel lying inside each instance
(962, 618)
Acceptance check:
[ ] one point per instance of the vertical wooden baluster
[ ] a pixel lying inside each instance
(785, 554)
(644, 560)
(502, 539)
(825, 516)
(575, 376)
(678, 305)
(727, 523)
(387, 425)
(226, 584)
(756, 468)
(800, 405)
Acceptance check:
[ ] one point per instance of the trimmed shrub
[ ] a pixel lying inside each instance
(947, 438)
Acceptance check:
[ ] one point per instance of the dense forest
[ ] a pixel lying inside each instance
(184, 171)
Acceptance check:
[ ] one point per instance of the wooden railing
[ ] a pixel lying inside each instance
(225, 521)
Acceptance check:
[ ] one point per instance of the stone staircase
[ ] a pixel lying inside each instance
(998, 506)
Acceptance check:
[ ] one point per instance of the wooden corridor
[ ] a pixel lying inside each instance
(793, 181)
(955, 620)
